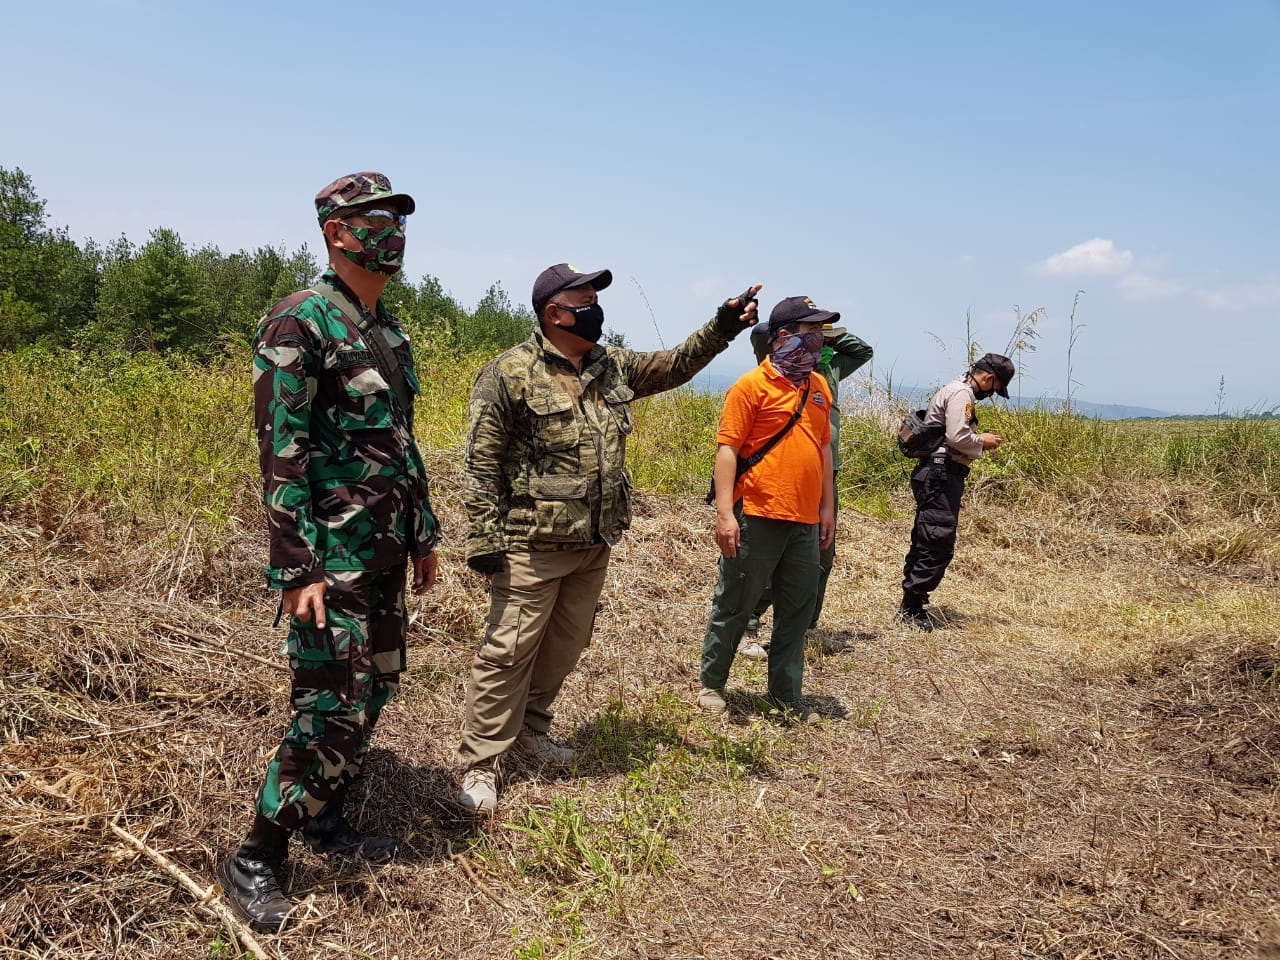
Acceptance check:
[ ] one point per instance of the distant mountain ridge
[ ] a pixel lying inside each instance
(719, 383)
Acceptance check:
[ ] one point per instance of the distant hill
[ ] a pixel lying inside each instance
(719, 383)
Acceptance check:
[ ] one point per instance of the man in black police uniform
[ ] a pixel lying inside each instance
(938, 482)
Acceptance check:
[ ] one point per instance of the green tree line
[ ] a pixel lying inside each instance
(167, 295)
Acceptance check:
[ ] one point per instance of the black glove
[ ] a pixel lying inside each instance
(728, 322)
(488, 563)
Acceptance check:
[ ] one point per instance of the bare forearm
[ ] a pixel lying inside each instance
(725, 473)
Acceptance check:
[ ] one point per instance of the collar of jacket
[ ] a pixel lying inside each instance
(594, 355)
(330, 276)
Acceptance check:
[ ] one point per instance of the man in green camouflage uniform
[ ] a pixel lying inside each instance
(348, 509)
(842, 354)
(547, 497)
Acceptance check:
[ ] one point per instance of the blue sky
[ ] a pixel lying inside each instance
(902, 163)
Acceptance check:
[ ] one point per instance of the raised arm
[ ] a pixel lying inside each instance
(848, 354)
(649, 373)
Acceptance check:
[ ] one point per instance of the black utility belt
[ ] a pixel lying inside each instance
(952, 466)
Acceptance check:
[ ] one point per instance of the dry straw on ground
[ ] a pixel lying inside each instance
(1083, 763)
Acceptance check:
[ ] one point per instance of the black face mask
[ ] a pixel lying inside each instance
(982, 394)
(588, 321)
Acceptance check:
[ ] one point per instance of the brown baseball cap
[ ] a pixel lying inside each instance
(356, 189)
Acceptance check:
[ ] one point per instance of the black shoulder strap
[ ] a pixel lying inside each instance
(746, 463)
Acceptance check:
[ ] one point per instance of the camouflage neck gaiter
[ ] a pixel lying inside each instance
(798, 355)
(381, 252)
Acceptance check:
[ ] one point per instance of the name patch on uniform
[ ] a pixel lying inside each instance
(355, 358)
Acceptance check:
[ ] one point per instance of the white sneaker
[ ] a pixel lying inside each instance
(711, 700)
(753, 650)
(539, 747)
(480, 791)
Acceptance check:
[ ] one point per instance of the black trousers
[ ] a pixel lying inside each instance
(937, 487)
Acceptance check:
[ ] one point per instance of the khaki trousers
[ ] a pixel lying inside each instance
(541, 613)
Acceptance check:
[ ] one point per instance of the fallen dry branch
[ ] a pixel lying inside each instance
(205, 897)
(479, 884)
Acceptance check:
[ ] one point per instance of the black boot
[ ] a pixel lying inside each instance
(911, 612)
(249, 877)
(330, 832)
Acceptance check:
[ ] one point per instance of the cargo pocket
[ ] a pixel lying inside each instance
(364, 397)
(562, 514)
(625, 492)
(502, 635)
(320, 661)
(555, 431)
(619, 400)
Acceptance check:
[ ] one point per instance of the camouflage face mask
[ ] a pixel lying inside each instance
(796, 356)
(381, 251)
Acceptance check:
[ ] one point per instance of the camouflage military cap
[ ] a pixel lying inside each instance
(359, 188)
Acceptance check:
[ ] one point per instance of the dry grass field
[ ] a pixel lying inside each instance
(1084, 762)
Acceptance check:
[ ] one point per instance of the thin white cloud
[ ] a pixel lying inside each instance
(1145, 287)
(1096, 257)
(1248, 296)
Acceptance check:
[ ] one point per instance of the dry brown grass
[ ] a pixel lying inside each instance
(1083, 764)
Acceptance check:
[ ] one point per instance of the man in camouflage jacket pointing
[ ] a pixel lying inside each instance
(348, 509)
(547, 497)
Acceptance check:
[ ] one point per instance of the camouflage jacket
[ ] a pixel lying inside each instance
(343, 481)
(546, 444)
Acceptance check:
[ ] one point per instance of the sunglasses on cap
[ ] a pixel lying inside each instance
(379, 219)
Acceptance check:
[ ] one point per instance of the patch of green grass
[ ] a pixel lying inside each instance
(590, 849)
(624, 737)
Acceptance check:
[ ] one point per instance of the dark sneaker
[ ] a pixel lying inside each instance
(253, 890)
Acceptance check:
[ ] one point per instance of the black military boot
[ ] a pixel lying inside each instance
(911, 612)
(330, 832)
(249, 877)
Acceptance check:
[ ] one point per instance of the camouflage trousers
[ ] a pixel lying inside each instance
(343, 676)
